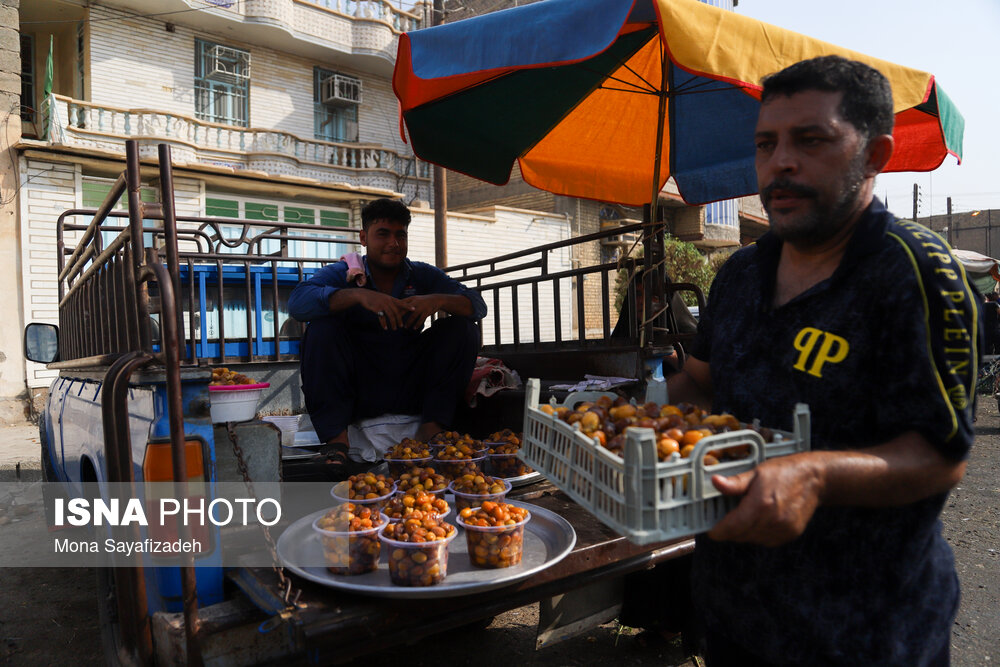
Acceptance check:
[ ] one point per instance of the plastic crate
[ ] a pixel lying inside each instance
(638, 496)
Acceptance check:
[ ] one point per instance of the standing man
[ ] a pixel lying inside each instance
(835, 556)
(365, 352)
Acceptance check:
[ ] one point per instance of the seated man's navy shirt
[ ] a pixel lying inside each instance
(888, 344)
(311, 298)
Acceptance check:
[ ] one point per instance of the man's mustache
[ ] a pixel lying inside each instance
(787, 186)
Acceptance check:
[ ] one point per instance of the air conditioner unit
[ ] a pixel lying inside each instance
(228, 65)
(340, 90)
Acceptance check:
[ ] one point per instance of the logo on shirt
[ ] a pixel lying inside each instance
(409, 290)
(818, 348)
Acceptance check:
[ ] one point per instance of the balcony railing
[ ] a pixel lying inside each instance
(379, 10)
(75, 122)
(281, 10)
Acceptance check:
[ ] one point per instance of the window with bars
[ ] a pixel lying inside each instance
(27, 78)
(221, 84)
(332, 123)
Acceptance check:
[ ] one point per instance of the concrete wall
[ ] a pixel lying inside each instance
(12, 388)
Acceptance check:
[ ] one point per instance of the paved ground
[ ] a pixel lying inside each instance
(19, 444)
(47, 616)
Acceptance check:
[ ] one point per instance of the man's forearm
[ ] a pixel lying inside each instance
(780, 495)
(692, 384)
(343, 299)
(901, 471)
(456, 304)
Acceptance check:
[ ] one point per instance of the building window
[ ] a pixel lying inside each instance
(27, 78)
(94, 190)
(248, 209)
(723, 213)
(332, 123)
(81, 64)
(221, 84)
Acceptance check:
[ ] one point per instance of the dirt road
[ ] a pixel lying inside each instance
(48, 616)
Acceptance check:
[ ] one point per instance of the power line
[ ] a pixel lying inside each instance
(135, 16)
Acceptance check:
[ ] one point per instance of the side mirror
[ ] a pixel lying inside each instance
(41, 342)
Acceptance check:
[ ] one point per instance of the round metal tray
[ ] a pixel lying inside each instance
(548, 538)
(525, 479)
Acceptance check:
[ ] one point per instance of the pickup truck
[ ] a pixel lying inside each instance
(149, 307)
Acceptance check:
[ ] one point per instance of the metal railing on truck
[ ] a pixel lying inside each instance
(136, 295)
(597, 339)
(104, 319)
(226, 270)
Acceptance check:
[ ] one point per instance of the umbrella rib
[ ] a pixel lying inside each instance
(696, 86)
(634, 89)
(649, 84)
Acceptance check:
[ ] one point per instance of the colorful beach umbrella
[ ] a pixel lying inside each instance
(606, 99)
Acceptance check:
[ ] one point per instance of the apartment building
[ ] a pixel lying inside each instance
(275, 110)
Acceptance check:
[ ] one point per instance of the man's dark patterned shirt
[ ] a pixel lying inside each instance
(888, 344)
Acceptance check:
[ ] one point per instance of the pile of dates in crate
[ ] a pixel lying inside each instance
(678, 427)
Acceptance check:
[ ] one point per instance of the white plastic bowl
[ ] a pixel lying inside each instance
(235, 403)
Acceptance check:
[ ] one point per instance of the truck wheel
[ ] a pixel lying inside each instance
(107, 614)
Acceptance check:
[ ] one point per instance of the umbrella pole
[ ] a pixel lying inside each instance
(652, 235)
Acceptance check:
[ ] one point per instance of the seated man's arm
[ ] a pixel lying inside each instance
(781, 494)
(328, 292)
(445, 294)
(311, 298)
(692, 384)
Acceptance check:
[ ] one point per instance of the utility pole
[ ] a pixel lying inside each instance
(440, 184)
(916, 198)
(950, 223)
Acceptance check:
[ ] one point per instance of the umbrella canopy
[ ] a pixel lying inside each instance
(983, 271)
(580, 93)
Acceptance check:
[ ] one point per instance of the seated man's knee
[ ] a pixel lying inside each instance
(459, 331)
(322, 331)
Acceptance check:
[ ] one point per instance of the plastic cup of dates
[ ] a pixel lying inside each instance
(397, 509)
(351, 552)
(452, 468)
(418, 563)
(464, 499)
(341, 490)
(399, 466)
(494, 546)
(508, 465)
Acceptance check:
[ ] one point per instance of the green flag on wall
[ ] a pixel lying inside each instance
(47, 95)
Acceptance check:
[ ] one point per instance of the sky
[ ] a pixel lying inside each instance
(958, 41)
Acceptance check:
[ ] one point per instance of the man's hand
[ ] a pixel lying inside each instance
(421, 307)
(779, 498)
(391, 312)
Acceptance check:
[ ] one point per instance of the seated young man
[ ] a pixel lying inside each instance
(365, 351)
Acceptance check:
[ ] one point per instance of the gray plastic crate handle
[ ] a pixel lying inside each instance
(701, 484)
(577, 397)
(641, 491)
